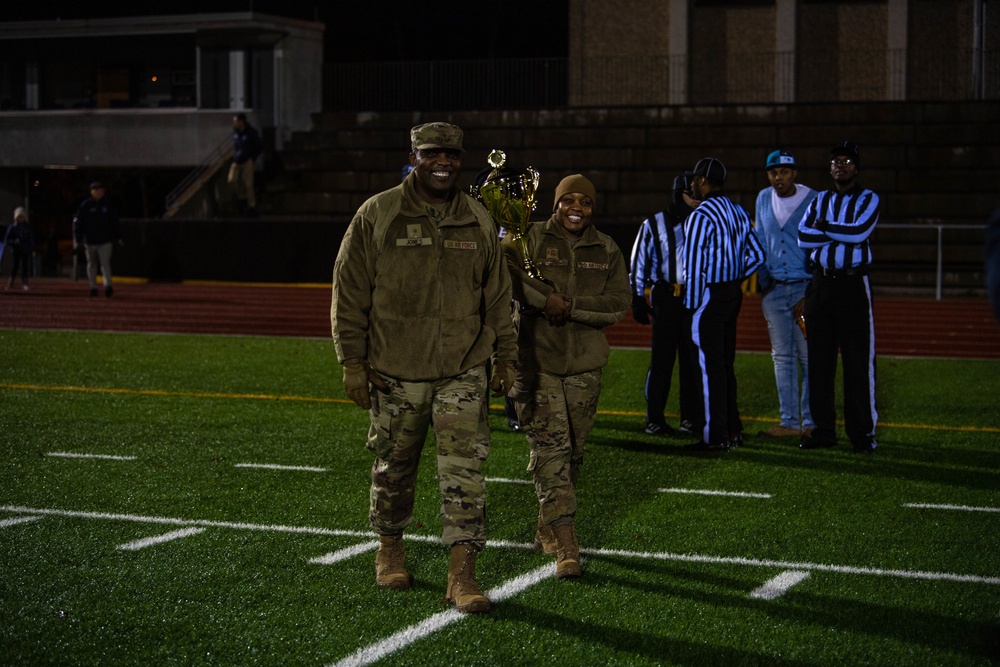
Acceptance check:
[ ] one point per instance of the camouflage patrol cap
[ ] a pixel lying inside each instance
(436, 135)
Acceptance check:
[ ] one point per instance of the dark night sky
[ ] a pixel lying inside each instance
(368, 30)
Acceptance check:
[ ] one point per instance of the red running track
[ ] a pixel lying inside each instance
(904, 326)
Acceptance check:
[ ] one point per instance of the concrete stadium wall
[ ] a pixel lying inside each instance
(113, 138)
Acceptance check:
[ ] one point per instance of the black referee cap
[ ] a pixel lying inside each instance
(712, 169)
(848, 149)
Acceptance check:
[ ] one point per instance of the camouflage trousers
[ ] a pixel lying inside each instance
(556, 414)
(456, 408)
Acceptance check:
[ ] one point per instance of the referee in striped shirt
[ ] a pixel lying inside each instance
(658, 264)
(721, 249)
(836, 232)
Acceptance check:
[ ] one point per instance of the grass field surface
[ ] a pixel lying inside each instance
(202, 500)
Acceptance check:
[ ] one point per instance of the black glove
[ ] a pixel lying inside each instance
(640, 309)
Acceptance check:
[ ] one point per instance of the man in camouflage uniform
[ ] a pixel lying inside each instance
(562, 349)
(421, 302)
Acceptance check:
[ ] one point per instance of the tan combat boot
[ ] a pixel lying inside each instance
(390, 571)
(567, 552)
(545, 539)
(462, 587)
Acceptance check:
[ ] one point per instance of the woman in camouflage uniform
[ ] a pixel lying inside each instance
(561, 351)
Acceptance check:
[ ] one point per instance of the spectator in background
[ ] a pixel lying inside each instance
(782, 280)
(246, 148)
(658, 264)
(96, 226)
(21, 242)
(993, 261)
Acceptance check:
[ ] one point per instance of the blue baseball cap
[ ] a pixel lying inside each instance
(779, 159)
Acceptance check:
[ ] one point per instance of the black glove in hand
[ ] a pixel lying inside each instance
(640, 309)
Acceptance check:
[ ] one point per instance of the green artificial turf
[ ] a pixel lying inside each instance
(668, 575)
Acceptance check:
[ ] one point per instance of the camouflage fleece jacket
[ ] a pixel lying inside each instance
(421, 299)
(593, 273)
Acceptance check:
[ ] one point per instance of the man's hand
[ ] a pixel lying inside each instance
(357, 377)
(557, 307)
(821, 224)
(502, 380)
(640, 309)
(799, 313)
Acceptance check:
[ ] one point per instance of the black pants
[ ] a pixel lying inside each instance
(22, 261)
(713, 330)
(671, 340)
(839, 316)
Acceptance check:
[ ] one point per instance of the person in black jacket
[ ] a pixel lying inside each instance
(96, 226)
(246, 148)
(22, 246)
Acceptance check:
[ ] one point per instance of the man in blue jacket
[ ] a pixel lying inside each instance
(782, 280)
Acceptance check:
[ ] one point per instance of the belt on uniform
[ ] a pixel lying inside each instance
(676, 288)
(841, 273)
(790, 282)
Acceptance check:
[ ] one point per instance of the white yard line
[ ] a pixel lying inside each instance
(617, 553)
(788, 565)
(962, 508)
(712, 492)
(4, 523)
(274, 466)
(409, 635)
(277, 528)
(344, 554)
(506, 480)
(160, 539)
(76, 455)
(778, 586)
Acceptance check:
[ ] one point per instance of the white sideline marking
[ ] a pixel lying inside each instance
(274, 466)
(778, 586)
(407, 636)
(710, 492)
(506, 480)
(160, 539)
(504, 544)
(74, 455)
(963, 508)
(344, 554)
(4, 523)
(785, 565)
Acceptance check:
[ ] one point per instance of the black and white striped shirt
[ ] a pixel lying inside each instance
(847, 221)
(720, 245)
(658, 253)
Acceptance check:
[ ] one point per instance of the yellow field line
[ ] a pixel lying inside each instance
(137, 280)
(185, 394)
(496, 407)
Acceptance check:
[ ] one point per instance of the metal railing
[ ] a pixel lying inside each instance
(196, 179)
(939, 229)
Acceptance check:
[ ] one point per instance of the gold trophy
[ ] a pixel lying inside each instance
(509, 197)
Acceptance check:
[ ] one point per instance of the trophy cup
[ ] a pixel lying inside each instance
(509, 197)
